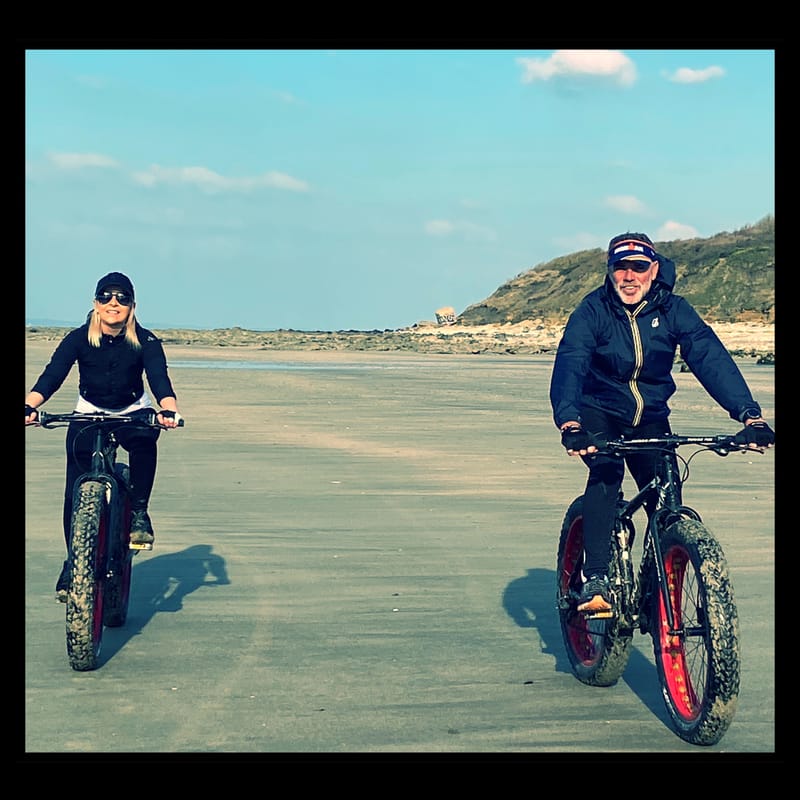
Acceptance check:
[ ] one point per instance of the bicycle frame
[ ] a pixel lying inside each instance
(103, 469)
(100, 553)
(666, 483)
(104, 458)
(681, 595)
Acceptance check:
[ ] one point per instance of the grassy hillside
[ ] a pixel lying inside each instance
(729, 277)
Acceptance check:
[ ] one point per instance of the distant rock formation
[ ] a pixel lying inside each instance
(446, 315)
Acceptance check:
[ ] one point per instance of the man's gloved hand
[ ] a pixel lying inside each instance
(576, 438)
(756, 433)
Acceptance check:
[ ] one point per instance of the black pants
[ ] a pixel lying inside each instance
(606, 474)
(143, 455)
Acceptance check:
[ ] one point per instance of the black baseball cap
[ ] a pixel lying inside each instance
(115, 279)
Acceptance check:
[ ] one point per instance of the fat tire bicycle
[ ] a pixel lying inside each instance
(101, 555)
(681, 595)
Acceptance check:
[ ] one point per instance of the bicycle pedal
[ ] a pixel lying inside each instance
(147, 546)
(608, 614)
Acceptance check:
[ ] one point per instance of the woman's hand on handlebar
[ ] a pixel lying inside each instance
(31, 415)
(169, 418)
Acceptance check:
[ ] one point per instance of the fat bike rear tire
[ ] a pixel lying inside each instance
(698, 662)
(88, 558)
(598, 649)
(118, 578)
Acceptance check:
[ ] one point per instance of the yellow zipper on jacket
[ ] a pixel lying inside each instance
(638, 356)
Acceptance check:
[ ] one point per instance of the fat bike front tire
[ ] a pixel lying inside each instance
(598, 649)
(118, 578)
(88, 558)
(698, 661)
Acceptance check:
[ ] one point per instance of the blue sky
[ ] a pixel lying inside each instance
(363, 189)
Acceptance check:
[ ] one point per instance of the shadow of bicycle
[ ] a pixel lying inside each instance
(160, 585)
(530, 602)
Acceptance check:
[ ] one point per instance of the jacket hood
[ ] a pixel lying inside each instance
(666, 272)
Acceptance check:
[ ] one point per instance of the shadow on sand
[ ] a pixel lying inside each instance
(161, 584)
(531, 602)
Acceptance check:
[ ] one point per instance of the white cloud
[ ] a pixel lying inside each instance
(687, 75)
(79, 232)
(210, 181)
(439, 227)
(280, 180)
(626, 203)
(81, 160)
(466, 230)
(285, 97)
(201, 177)
(672, 230)
(607, 64)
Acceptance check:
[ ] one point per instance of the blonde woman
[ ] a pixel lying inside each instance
(114, 353)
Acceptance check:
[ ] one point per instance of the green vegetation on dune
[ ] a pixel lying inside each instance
(729, 277)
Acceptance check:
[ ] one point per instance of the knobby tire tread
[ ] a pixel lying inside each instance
(598, 650)
(84, 635)
(717, 689)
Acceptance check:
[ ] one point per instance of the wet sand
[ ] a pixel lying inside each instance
(355, 554)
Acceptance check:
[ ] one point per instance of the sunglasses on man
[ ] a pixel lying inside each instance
(123, 298)
(636, 266)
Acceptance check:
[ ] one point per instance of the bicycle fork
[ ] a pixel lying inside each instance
(669, 509)
(623, 583)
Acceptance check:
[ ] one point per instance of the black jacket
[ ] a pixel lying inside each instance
(110, 376)
(620, 361)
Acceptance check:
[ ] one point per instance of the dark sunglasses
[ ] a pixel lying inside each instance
(636, 266)
(123, 298)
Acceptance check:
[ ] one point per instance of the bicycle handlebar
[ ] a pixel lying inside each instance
(721, 443)
(146, 417)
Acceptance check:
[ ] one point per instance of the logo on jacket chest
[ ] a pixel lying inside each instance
(654, 322)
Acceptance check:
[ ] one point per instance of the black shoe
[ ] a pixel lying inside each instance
(62, 584)
(141, 530)
(596, 596)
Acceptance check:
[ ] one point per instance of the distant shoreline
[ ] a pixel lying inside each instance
(744, 340)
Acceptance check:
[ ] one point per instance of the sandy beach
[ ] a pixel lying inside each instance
(355, 554)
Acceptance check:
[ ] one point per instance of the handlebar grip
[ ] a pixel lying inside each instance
(600, 441)
(167, 414)
(176, 414)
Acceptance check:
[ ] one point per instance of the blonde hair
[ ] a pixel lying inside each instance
(96, 329)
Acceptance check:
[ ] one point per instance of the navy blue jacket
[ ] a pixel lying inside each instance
(620, 360)
(110, 376)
